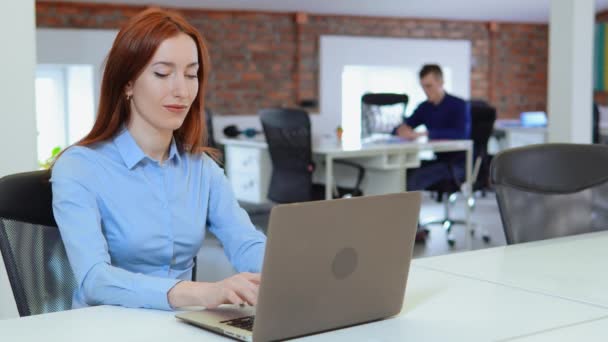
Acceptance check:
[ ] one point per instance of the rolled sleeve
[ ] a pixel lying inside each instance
(243, 244)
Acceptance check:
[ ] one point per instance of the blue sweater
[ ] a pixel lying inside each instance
(450, 119)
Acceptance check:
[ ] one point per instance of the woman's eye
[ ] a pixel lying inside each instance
(160, 75)
(192, 76)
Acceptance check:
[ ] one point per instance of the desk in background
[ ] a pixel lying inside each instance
(510, 134)
(451, 305)
(249, 167)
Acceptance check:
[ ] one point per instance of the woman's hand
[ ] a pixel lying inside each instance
(241, 288)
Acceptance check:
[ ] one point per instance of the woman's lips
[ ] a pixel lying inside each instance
(176, 108)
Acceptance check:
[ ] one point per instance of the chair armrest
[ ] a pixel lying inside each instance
(360, 171)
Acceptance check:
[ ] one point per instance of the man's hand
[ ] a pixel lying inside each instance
(406, 132)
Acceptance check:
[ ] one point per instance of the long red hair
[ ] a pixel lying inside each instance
(132, 50)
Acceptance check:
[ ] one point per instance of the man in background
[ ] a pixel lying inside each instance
(445, 117)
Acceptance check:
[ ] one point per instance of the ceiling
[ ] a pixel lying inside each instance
(476, 10)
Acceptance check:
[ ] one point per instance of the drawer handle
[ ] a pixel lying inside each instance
(248, 161)
(249, 184)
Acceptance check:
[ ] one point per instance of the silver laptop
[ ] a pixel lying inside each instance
(327, 265)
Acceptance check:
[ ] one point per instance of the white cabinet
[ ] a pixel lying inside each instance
(248, 169)
(518, 136)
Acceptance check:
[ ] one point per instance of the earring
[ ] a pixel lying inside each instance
(129, 96)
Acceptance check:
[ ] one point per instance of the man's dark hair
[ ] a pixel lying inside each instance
(431, 69)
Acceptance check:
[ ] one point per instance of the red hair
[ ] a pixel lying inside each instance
(132, 50)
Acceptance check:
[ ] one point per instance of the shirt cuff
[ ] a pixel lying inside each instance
(157, 290)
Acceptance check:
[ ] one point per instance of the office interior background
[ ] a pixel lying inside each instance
(519, 56)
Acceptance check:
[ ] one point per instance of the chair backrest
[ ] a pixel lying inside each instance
(551, 190)
(289, 142)
(596, 135)
(38, 268)
(483, 117)
(381, 112)
(209, 122)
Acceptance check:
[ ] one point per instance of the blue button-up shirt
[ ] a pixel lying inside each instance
(131, 226)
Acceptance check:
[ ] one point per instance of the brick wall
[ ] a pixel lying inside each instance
(264, 59)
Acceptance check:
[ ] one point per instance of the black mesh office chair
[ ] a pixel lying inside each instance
(596, 134)
(38, 269)
(483, 117)
(551, 190)
(209, 123)
(289, 142)
(381, 112)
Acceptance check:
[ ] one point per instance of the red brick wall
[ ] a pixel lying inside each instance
(267, 59)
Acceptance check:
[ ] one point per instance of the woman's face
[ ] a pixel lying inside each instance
(164, 91)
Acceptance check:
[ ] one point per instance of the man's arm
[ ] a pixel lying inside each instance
(409, 124)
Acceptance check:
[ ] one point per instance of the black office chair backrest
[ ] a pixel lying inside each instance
(289, 142)
(376, 117)
(483, 117)
(38, 268)
(209, 123)
(551, 190)
(596, 135)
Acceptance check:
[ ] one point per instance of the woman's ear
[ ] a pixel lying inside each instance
(129, 90)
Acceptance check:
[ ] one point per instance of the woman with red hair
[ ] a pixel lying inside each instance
(134, 197)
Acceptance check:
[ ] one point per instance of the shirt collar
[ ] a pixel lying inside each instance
(174, 151)
(132, 154)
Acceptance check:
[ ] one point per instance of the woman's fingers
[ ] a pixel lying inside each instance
(253, 277)
(247, 290)
(250, 296)
(234, 298)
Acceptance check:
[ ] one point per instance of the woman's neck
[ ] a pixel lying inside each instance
(155, 143)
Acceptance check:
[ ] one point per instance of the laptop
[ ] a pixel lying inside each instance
(327, 265)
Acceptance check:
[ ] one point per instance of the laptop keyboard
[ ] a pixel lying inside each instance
(245, 323)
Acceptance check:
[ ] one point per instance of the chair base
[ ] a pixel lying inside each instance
(448, 223)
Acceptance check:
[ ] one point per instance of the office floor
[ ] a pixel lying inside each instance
(213, 265)
(485, 217)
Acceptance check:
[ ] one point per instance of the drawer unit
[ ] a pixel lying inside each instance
(248, 169)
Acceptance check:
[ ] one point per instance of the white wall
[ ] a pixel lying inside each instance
(17, 116)
(570, 93)
(339, 51)
(18, 62)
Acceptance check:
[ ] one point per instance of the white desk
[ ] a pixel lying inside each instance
(594, 330)
(248, 164)
(438, 307)
(516, 135)
(573, 267)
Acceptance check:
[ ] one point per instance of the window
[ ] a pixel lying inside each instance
(360, 79)
(381, 64)
(64, 106)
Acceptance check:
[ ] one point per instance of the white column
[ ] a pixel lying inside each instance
(18, 68)
(17, 110)
(571, 30)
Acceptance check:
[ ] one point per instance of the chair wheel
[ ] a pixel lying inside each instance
(447, 225)
(486, 239)
(451, 242)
